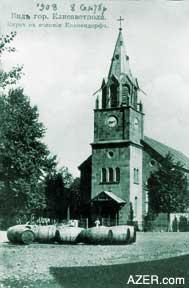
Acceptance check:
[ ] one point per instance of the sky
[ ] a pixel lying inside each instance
(63, 67)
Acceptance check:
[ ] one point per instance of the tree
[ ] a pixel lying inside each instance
(10, 77)
(62, 195)
(168, 188)
(67, 176)
(75, 201)
(55, 196)
(24, 158)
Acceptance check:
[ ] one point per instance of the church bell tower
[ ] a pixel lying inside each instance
(116, 184)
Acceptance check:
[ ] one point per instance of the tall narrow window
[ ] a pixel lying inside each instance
(131, 100)
(103, 175)
(135, 98)
(111, 175)
(136, 206)
(125, 94)
(146, 201)
(136, 176)
(113, 95)
(117, 174)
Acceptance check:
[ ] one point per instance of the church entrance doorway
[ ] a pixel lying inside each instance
(105, 207)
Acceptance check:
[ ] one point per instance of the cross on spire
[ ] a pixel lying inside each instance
(120, 19)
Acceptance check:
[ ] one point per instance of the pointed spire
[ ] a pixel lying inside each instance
(120, 60)
(121, 87)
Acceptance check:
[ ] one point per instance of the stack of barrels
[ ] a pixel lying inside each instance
(26, 234)
(124, 234)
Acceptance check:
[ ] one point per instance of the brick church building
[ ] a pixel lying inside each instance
(114, 177)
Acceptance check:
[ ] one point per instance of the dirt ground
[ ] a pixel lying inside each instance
(34, 263)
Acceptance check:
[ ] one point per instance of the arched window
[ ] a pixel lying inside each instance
(113, 95)
(103, 175)
(117, 174)
(125, 94)
(111, 175)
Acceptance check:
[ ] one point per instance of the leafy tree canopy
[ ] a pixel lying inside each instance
(24, 158)
(29, 180)
(62, 194)
(10, 77)
(168, 188)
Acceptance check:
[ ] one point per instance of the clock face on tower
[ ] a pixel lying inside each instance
(136, 123)
(123, 78)
(111, 121)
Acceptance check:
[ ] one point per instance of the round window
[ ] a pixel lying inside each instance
(110, 154)
(152, 162)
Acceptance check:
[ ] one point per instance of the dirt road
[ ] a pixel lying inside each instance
(53, 265)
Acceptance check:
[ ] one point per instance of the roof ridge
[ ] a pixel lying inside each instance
(164, 149)
(176, 150)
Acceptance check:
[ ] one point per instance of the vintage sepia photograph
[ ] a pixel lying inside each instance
(94, 143)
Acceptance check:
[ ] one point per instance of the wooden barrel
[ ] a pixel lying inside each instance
(120, 234)
(35, 229)
(132, 229)
(96, 235)
(46, 234)
(68, 235)
(20, 234)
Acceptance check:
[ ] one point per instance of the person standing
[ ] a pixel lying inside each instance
(97, 222)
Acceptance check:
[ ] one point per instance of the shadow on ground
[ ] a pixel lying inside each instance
(116, 276)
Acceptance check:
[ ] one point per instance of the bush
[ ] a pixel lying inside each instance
(183, 224)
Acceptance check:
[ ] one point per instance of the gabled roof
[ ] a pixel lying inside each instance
(163, 150)
(104, 195)
(86, 162)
